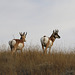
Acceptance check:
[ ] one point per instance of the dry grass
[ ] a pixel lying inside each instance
(33, 62)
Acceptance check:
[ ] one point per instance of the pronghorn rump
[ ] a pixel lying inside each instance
(44, 40)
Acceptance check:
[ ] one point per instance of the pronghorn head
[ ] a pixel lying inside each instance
(23, 36)
(55, 34)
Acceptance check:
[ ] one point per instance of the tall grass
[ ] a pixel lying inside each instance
(33, 62)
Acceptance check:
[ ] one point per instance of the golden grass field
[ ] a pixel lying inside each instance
(33, 62)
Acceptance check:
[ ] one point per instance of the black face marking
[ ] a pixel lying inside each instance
(55, 35)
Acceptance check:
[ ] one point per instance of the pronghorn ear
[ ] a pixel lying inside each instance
(24, 33)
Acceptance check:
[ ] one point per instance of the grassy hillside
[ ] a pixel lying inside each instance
(33, 62)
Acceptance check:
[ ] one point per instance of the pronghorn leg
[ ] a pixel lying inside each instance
(16, 52)
(43, 48)
(21, 51)
(46, 48)
(49, 50)
(13, 50)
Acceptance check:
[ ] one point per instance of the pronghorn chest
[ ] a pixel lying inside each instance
(50, 43)
(20, 46)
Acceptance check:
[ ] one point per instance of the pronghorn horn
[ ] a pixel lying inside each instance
(55, 31)
(20, 33)
(23, 33)
(26, 33)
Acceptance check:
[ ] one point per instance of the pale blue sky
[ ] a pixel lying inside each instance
(38, 18)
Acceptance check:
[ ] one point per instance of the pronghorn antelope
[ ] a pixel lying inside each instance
(47, 42)
(18, 44)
